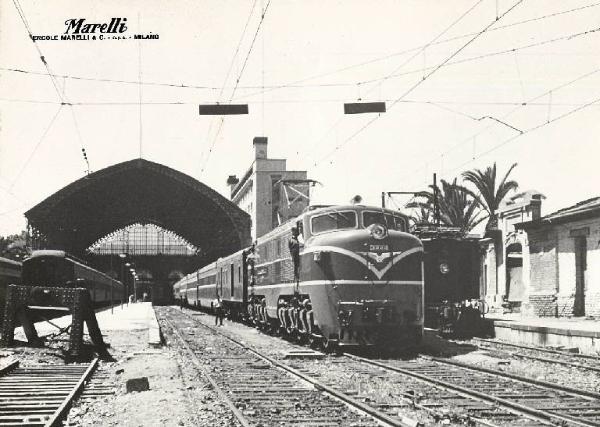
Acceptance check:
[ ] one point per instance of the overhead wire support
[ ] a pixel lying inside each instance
(501, 122)
(527, 131)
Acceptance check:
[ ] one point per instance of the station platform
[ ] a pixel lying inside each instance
(128, 317)
(574, 333)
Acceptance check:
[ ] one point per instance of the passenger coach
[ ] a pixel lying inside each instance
(57, 268)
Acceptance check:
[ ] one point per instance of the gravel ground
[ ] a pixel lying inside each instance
(177, 397)
(370, 385)
(501, 360)
(366, 383)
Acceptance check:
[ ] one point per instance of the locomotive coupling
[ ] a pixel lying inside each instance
(366, 312)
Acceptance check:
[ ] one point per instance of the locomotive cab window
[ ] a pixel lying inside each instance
(333, 221)
(392, 222)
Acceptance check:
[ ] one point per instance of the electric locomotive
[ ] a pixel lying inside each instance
(57, 268)
(335, 276)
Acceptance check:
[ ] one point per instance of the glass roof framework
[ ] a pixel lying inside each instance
(138, 192)
(143, 239)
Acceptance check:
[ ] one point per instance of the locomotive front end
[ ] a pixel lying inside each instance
(366, 276)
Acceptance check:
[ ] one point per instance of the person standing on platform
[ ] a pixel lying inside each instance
(218, 307)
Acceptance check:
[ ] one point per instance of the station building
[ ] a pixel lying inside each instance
(543, 265)
(268, 191)
(564, 253)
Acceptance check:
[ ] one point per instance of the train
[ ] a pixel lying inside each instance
(55, 268)
(10, 274)
(452, 265)
(334, 276)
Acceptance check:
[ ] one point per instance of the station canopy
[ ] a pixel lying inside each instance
(138, 192)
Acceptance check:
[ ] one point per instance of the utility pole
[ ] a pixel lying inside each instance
(391, 193)
(436, 207)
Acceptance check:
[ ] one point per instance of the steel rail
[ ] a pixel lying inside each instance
(539, 415)
(540, 383)
(541, 349)
(62, 410)
(40, 394)
(222, 394)
(378, 415)
(558, 362)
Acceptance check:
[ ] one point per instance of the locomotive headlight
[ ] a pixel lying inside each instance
(444, 268)
(378, 231)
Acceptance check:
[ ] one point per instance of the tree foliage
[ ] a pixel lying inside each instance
(490, 192)
(458, 207)
(14, 246)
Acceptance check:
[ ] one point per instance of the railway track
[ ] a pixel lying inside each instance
(40, 395)
(419, 404)
(459, 393)
(575, 360)
(544, 402)
(261, 391)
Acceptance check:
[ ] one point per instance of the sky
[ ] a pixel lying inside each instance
(466, 84)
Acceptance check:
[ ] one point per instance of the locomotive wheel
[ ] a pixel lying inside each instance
(313, 342)
(330, 346)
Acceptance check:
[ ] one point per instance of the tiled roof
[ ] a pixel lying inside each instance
(585, 208)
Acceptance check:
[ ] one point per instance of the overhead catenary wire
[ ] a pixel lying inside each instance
(528, 102)
(239, 77)
(296, 83)
(420, 70)
(231, 63)
(35, 148)
(422, 50)
(417, 84)
(23, 17)
(526, 132)
(383, 58)
(439, 103)
(61, 94)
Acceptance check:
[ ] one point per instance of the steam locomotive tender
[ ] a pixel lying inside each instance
(51, 268)
(352, 277)
(452, 281)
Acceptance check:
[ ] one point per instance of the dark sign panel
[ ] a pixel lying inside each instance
(364, 107)
(223, 109)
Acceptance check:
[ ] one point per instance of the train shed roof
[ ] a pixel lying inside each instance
(139, 191)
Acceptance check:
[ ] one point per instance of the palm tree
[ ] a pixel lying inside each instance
(490, 193)
(458, 207)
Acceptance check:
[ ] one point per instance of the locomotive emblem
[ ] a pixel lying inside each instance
(383, 262)
(378, 258)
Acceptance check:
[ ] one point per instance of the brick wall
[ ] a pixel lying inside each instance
(565, 304)
(543, 305)
(544, 262)
(592, 304)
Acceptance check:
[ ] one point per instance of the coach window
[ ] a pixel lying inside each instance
(337, 220)
(231, 280)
